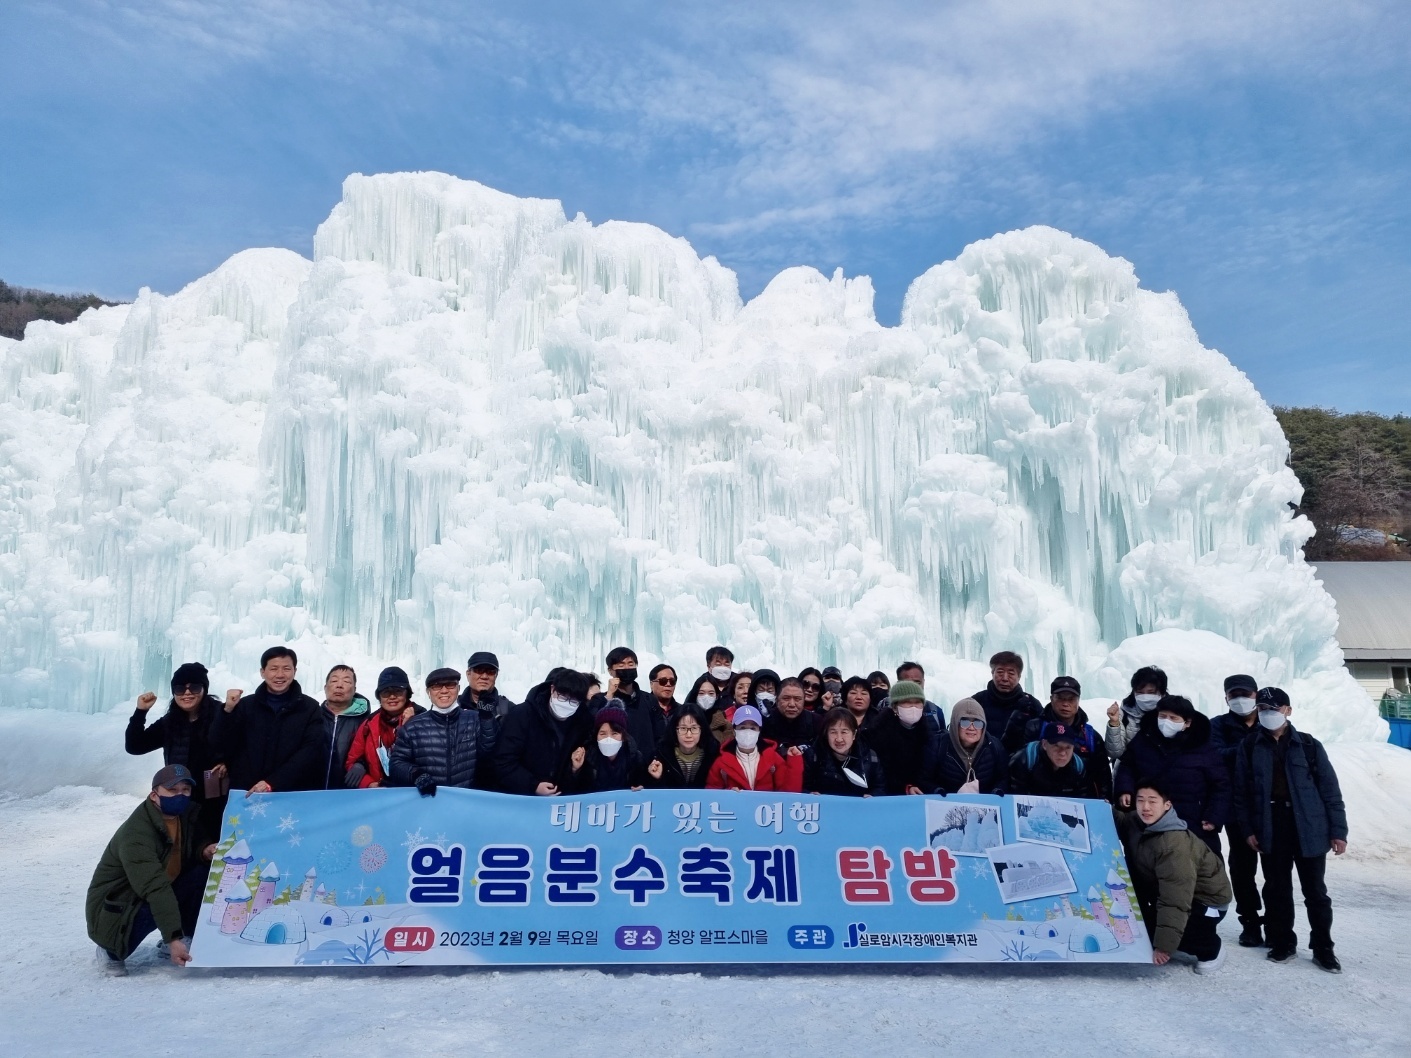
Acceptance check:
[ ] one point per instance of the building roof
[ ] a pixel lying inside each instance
(1374, 608)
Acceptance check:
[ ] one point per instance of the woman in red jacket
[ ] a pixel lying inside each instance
(372, 744)
(748, 762)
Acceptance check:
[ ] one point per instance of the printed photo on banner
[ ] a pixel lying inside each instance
(963, 829)
(1052, 821)
(1028, 872)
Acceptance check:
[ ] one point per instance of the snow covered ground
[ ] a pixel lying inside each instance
(53, 1000)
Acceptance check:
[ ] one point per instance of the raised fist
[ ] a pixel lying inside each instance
(231, 697)
(654, 769)
(1114, 715)
(146, 700)
(579, 756)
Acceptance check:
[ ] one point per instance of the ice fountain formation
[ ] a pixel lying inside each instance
(472, 422)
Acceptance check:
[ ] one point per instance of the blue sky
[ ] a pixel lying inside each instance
(1253, 157)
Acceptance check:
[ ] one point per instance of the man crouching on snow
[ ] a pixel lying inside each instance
(152, 876)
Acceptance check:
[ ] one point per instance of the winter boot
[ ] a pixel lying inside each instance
(109, 964)
(1328, 961)
(1281, 954)
(1252, 936)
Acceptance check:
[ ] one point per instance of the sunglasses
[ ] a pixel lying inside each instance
(190, 688)
(484, 670)
(966, 721)
(666, 681)
(809, 685)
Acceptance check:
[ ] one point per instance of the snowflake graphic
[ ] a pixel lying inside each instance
(257, 808)
(413, 839)
(1098, 841)
(981, 868)
(442, 840)
(295, 840)
(287, 823)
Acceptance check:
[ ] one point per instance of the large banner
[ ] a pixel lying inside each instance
(387, 877)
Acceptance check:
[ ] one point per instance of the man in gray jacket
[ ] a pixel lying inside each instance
(1290, 810)
(445, 745)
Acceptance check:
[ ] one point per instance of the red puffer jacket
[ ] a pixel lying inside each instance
(378, 731)
(772, 774)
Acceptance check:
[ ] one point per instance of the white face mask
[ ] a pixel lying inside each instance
(721, 672)
(706, 701)
(765, 699)
(1170, 728)
(1147, 702)
(563, 708)
(1241, 706)
(746, 739)
(444, 709)
(1271, 719)
(910, 714)
(608, 747)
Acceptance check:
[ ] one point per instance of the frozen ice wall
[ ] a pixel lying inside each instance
(473, 423)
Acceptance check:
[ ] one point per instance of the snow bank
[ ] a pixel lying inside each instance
(473, 423)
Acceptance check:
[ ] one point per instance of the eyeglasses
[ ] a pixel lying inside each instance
(809, 685)
(684, 730)
(966, 721)
(190, 688)
(665, 681)
(484, 670)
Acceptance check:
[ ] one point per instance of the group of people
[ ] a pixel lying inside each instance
(1177, 779)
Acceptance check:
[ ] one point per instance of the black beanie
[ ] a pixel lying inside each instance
(191, 672)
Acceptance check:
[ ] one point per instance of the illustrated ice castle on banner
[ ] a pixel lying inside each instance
(236, 862)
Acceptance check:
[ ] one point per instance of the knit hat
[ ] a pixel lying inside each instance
(171, 775)
(1241, 682)
(393, 679)
(189, 673)
(442, 676)
(614, 716)
(907, 691)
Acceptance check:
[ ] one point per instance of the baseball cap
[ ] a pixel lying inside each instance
(1055, 732)
(1064, 683)
(171, 775)
(483, 659)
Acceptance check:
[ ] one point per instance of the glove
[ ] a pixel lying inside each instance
(355, 776)
(425, 785)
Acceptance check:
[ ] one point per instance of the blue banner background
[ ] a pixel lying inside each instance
(387, 877)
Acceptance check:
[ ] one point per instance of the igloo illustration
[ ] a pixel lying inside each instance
(332, 918)
(1091, 938)
(279, 924)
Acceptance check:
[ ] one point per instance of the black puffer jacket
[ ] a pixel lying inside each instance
(339, 730)
(1092, 750)
(445, 746)
(823, 772)
(944, 772)
(601, 774)
(1008, 715)
(673, 778)
(1189, 768)
(535, 746)
(279, 746)
(902, 749)
(786, 733)
(182, 740)
(1031, 772)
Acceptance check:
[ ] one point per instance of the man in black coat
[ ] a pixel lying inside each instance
(273, 739)
(540, 735)
(1063, 708)
(481, 672)
(343, 711)
(1008, 707)
(1289, 807)
(1227, 732)
(901, 735)
(646, 723)
(444, 745)
(1050, 767)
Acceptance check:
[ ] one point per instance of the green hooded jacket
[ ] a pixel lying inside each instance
(133, 872)
(1172, 869)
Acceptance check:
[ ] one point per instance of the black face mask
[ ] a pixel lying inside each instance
(174, 805)
(626, 676)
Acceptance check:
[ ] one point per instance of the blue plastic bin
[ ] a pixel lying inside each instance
(1400, 733)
